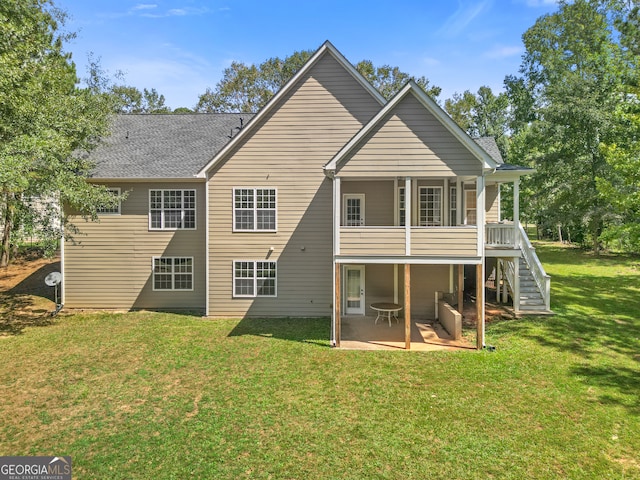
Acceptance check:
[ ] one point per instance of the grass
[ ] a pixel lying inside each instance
(144, 395)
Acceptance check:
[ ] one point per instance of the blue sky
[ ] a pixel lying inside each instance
(181, 47)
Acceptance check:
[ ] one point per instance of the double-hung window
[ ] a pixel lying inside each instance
(453, 205)
(254, 210)
(172, 209)
(110, 209)
(430, 213)
(254, 278)
(173, 273)
(402, 207)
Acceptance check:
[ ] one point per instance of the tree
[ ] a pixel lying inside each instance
(131, 100)
(481, 115)
(389, 80)
(247, 88)
(45, 121)
(571, 73)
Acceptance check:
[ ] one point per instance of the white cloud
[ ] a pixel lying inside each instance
(143, 6)
(539, 3)
(465, 14)
(503, 51)
(430, 61)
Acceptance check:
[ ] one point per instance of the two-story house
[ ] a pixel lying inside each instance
(327, 200)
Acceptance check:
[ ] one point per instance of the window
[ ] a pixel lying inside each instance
(402, 209)
(470, 206)
(254, 279)
(453, 205)
(112, 209)
(173, 273)
(430, 206)
(172, 209)
(254, 209)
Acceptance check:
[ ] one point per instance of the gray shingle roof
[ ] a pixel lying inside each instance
(490, 146)
(163, 146)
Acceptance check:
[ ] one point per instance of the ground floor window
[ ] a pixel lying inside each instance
(173, 273)
(254, 278)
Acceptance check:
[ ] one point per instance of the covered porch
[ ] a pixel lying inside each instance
(410, 306)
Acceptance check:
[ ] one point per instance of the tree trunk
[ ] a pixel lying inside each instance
(5, 253)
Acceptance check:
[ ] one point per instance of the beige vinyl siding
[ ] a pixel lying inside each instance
(492, 203)
(410, 141)
(378, 201)
(425, 281)
(109, 264)
(372, 241)
(287, 151)
(445, 241)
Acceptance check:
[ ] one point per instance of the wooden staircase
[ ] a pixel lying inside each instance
(531, 299)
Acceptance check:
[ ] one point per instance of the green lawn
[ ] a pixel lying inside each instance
(141, 395)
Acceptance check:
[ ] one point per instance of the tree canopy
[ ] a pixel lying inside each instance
(46, 119)
(566, 106)
(247, 88)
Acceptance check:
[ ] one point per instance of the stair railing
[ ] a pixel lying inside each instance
(535, 267)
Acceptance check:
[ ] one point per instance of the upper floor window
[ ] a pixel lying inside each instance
(172, 209)
(470, 207)
(430, 201)
(453, 206)
(111, 209)
(254, 209)
(402, 207)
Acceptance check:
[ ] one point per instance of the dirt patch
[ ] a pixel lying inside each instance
(25, 300)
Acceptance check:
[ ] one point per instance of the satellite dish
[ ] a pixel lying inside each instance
(53, 279)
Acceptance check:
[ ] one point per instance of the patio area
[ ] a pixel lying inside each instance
(362, 333)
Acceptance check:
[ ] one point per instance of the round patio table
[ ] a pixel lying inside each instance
(386, 310)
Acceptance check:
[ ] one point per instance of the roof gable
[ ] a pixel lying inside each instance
(326, 49)
(411, 88)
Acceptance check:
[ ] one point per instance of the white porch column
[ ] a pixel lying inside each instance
(459, 199)
(336, 216)
(408, 214)
(516, 212)
(480, 215)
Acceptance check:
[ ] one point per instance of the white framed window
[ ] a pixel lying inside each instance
(173, 273)
(453, 205)
(470, 207)
(254, 278)
(430, 202)
(402, 207)
(111, 210)
(172, 209)
(254, 210)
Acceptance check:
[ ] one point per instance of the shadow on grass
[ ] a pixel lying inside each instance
(29, 303)
(597, 318)
(306, 330)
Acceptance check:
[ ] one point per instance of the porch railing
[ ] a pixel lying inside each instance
(500, 235)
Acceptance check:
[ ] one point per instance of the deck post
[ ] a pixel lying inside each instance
(498, 279)
(516, 213)
(407, 307)
(336, 305)
(479, 308)
(460, 288)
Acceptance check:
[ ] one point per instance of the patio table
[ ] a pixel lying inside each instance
(386, 310)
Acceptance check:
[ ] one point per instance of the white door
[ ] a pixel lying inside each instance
(354, 290)
(353, 215)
